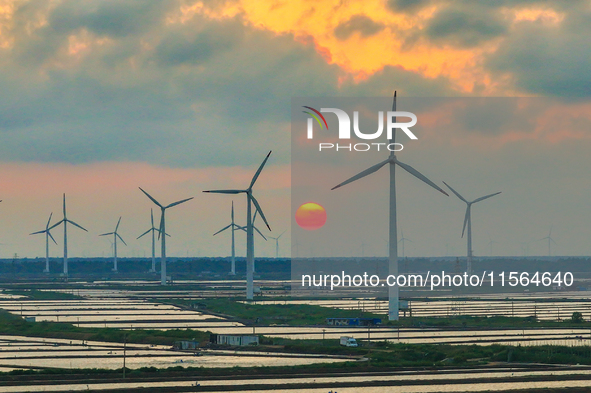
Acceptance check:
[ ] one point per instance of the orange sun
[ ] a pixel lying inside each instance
(310, 216)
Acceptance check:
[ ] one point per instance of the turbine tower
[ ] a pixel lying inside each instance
(47, 236)
(250, 199)
(468, 221)
(153, 230)
(550, 241)
(65, 221)
(277, 243)
(392, 161)
(161, 231)
(115, 236)
(403, 240)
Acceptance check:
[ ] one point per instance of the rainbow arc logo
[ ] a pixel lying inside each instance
(316, 117)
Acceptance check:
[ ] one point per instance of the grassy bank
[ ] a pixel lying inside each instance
(15, 325)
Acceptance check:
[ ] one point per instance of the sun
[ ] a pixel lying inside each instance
(310, 216)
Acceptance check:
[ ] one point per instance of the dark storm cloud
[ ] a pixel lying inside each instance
(205, 92)
(361, 24)
(113, 18)
(408, 6)
(548, 59)
(465, 27)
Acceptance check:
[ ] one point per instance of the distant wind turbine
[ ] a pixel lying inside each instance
(115, 236)
(250, 199)
(47, 236)
(277, 243)
(490, 244)
(550, 241)
(468, 221)
(153, 230)
(236, 227)
(393, 294)
(233, 228)
(403, 240)
(65, 221)
(162, 230)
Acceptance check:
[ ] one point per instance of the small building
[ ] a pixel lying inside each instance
(30, 319)
(353, 321)
(234, 339)
(185, 345)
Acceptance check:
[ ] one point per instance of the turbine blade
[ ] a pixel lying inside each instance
(167, 235)
(105, 234)
(239, 227)
(161, 224)
(258, 207)
(223, 229)
(232, 215)
(419, 175)
(145, 233)
(455, 192)
(552, 240)
(118, 222)
(178, 202)
(225, 191)
(259, 232)
(51, 236)
(64, 206)
(48, 221)
(152, 199)
(486, 197)
(258, 172)
(54, 225)
(152, 216)
(366, 172)
(281, 234)
(120, 238)
(38, 232)
(466, 218)
(73, 223)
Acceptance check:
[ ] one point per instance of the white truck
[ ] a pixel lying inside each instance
(348, 341)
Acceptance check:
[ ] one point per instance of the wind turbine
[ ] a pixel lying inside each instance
(236, 227)
(468, 221)
(65, 221)
(393, 291)
(115, 236)
(47, 236)
(162, 231)
(277, 243)
(550, 241)
(250, 199)
(153, 230)
(403, 240)
(233, 227)
(490, 244)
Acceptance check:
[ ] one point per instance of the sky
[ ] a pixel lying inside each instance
(101, 97)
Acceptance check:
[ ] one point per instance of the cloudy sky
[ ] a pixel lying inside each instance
(100, 97)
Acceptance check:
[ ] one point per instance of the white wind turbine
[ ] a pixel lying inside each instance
(65, 221)
(393, 291)
(47, 236)
(233, 228)
(403, 240)
(550, 241)
(250, 199)
(468, 221)
(115, 236)
(277, 243)
(236, 227)
(153, 230)
(162, 230)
